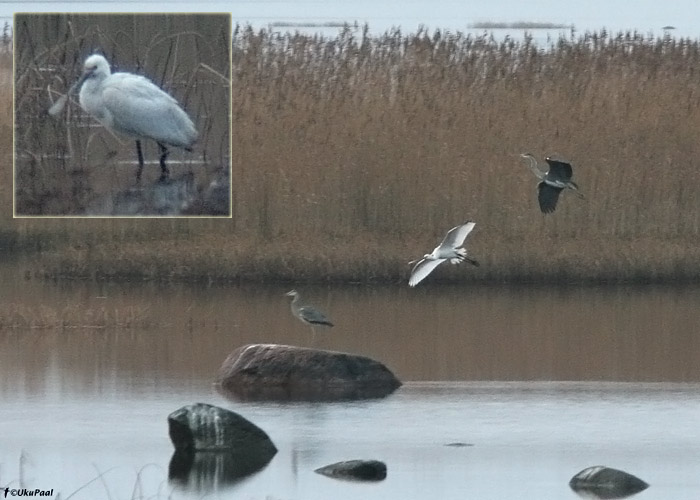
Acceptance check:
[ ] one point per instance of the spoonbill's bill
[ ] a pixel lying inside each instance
(448, 249)
(134, 106)
(307, 314)
(552, 182)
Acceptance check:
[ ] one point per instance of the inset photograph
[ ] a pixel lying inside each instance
(122, 115)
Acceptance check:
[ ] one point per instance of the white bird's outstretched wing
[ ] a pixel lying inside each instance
(456, 236)
(423, 269)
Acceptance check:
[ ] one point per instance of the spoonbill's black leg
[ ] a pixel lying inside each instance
(164, 172)
(139, 153)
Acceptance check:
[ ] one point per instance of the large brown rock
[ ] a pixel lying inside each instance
(282, 372)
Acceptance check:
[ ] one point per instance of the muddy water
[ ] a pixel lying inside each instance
(539, 383)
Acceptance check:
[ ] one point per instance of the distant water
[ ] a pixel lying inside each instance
(313, 16)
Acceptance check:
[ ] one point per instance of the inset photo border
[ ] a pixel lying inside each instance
(122, 115)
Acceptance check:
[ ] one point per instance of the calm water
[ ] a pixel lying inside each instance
(541, 382)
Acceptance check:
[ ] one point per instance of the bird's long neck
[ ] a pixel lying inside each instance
(294, 305)
(532, 163)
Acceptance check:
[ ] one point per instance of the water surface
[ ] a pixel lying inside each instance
(538, 382)
(646, 16)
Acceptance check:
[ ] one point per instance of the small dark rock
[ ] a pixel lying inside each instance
(203, 427)
(281, 372)
(459, 445)
(604, 482)
(360, 470)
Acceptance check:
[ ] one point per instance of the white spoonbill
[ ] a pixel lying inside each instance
(448, 249)
(552, 182)
(134, 106)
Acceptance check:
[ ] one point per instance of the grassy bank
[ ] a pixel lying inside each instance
(352, 156)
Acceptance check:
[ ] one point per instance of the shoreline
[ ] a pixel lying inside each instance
(220, 263)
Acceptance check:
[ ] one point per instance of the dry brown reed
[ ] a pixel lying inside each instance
(353, 155)
(18, 316)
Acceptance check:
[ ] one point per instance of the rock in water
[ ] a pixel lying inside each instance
(203, 427)
(281, 372)
(215, 447)
(361, 470)
(604, 482)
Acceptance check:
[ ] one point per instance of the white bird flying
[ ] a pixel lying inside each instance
(448, 249)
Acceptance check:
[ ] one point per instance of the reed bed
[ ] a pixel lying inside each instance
(355, 154)
(18, 316)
